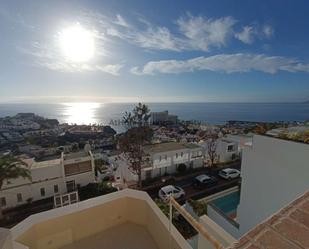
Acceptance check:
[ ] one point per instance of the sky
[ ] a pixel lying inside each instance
(154, 51)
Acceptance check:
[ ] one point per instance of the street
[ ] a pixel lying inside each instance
(198, 193)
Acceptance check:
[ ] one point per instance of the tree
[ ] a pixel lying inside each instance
(133, 141)
(11, 168)
(211, 149)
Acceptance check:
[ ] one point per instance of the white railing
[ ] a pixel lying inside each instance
(65, 199)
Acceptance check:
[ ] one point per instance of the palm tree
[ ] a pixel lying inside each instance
(11, 168)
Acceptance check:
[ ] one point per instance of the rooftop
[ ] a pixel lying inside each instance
(124, 219)
(75, 155)
(171, 146)
(287, 229)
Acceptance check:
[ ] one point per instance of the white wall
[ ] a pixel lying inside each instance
(274, 173)
(222, 222)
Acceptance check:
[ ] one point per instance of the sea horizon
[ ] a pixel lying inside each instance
(211, 112)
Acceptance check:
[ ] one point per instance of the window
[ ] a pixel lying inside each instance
(42, 190)
(19, 197)
(181, 154)
(3, 202)
(230, 148)
(70, 186)
(176, 155)
(165, 157)
(160, 158)
(56, 189)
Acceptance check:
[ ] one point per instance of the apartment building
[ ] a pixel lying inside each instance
(163, 118)
(274, 173)
(164, 158)
(50, 177)
(226, 150)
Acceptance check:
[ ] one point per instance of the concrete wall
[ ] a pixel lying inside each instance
(222, 222)
(216, 232)
(274, 173)
(62, 226)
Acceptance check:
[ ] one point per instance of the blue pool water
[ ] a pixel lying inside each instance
(228, 203)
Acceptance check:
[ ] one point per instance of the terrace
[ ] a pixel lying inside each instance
(124, 219)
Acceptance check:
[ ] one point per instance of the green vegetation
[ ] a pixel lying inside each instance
(296, 136)
(181, 168)
(198, 207)
(179, 222)
(95, 189)
(11, 168)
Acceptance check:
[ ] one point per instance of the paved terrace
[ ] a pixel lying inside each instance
(287, 229)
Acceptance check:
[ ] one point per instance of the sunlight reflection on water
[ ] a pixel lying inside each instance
(81, 113)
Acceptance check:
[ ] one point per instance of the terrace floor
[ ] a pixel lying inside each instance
(128, 236)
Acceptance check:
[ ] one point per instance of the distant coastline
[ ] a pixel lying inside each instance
(211, 113)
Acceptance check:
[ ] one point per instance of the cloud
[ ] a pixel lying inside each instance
(191, 33)
(268, 31)
(49, 57)
(202, 33)
(246, 35)
(226, 63)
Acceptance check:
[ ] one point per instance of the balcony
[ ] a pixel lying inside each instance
(124, 219)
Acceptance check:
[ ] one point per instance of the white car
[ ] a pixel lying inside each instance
(229, 173)
(170, 190)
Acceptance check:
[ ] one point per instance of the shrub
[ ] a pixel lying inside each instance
(181, 168)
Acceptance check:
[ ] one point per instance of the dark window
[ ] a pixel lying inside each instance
(160, 159)
(19, 197)
(181, 154)
(176, 155)
(3, 202)
(42, 191)
(165, 157)
(56, 189)
(230, 148)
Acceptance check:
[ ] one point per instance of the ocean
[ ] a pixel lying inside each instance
(212, 113)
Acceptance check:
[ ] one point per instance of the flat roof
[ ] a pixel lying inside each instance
(42, 164)
(75, 155)
(170, 146)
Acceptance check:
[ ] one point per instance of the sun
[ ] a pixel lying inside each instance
(77, 43)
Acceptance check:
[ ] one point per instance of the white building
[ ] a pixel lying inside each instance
(164, 158)
(274, 173)
(163, 117)
(226, 150)
(49, 178)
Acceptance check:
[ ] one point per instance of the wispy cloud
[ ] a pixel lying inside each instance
(202, 33)
(226, 63)
(249, 34)
(246, 35)
(48, 56)
(190, 32)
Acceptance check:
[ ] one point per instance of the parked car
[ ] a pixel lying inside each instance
(229, 173)
(170, 190)
(204, 181)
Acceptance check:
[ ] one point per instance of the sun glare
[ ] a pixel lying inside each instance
(77, 43)
(81, 113)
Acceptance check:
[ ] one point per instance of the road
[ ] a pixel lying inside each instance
(194, 193)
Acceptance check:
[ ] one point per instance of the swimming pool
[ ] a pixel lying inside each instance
(228, 203)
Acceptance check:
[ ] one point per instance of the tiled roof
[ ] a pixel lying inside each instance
(287, 229)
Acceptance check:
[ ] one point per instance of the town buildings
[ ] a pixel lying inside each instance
(164, 158)
(51, 177)
(163, 118)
